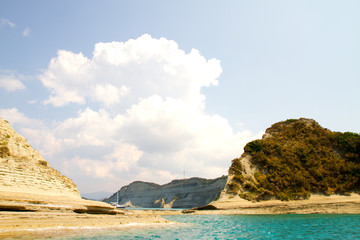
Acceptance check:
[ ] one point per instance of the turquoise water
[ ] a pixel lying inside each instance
(247, 227)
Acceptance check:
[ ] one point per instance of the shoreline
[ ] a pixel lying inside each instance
(24, 214)
(316, 204)
(34, 225)
(45, 224)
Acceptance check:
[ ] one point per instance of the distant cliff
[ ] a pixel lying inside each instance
(186, 193)
(294, 159)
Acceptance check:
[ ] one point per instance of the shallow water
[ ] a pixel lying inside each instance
(243, 227)
(293, 226)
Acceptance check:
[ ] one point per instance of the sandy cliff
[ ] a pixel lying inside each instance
(28, 183)
(23, 170)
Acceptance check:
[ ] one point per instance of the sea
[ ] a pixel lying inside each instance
(289, 226)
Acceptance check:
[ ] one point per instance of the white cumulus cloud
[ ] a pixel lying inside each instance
(109, 94)
(144, 67)
(150, 122)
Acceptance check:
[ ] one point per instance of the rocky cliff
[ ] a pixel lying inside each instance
(23, 170)
(28, 183)
(186, 193)
(295, 159)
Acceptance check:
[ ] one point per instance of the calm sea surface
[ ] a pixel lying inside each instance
(245, 227)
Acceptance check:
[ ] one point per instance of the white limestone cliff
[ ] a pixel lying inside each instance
(23, 170)
(28, 183)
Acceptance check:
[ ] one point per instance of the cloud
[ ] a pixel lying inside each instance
(6, 23)
(89, 128)
(11, 83)
(95, 168)
(144, 67)
(26, 32)
(68, 77)
(15, 117)
(109, 94)
(150, 121)
(40, 136)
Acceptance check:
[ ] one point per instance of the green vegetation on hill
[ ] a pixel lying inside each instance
(297, 158)
(4, 150)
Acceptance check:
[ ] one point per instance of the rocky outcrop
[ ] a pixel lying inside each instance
(295, 159)
(23, 170)
(28, 183)
(26, 202)
(185, 193)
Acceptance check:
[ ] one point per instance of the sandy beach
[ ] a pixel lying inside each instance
(33, 225)
(38, 216)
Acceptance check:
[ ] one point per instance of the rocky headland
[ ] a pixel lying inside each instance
(181, 193)
(297, 167)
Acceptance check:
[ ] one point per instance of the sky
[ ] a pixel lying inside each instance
(111, 92)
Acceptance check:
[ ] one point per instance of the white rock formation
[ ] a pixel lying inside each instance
(23, 170)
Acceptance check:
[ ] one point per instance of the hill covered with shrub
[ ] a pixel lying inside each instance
(294, 159)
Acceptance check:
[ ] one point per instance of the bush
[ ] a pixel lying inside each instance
(253, 146)
(4, 151)
(349, 141)
(283, 196)
(239, 178)
(233, 188)
(43, 163)
(236, 167)
(290, 121)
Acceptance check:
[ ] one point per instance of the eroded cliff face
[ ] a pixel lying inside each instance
(186, 193)
(23, 170)
(28, 183)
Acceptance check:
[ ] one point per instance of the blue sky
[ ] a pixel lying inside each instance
(196, 82)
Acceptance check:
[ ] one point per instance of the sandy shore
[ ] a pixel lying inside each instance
(317, 204)
(34, 225)
(31, 216)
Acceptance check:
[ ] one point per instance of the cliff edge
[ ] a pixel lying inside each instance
(23, 170)
(28, 183)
